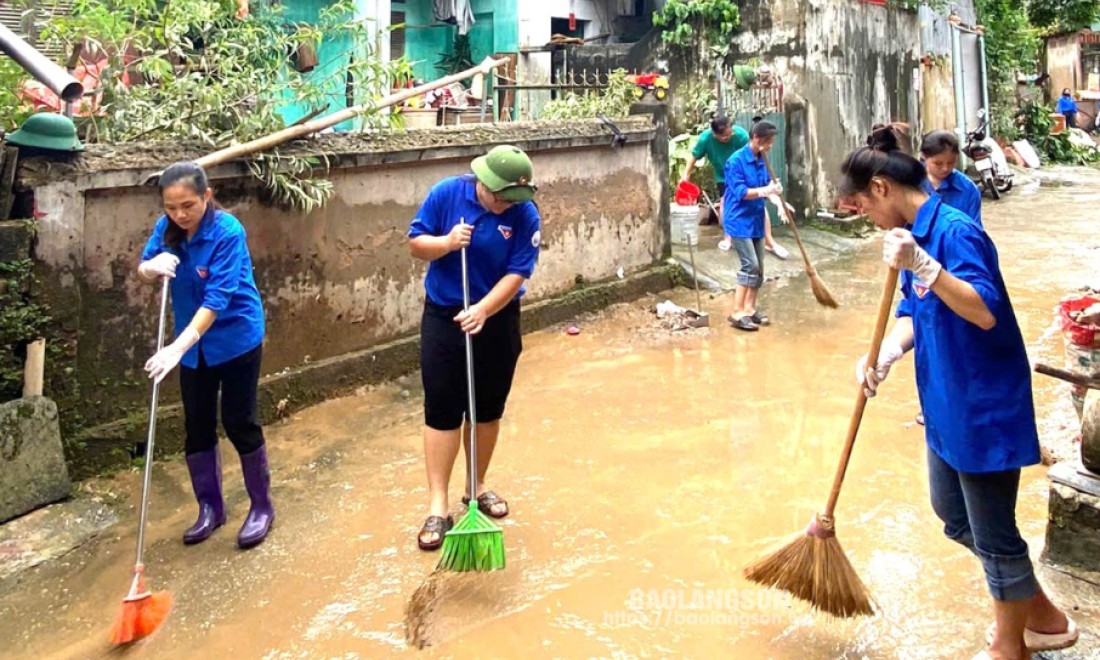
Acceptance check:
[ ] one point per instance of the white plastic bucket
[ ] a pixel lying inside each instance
(685, 223)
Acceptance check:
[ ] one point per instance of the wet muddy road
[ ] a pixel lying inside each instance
(644, 469)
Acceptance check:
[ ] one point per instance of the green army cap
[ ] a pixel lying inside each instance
(507, 171)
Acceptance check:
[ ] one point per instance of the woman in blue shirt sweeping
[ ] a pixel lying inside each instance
(743, 217)
(490, 213)
(219, 322)
(973, 379)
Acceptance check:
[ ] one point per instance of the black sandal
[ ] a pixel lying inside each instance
(760, 319)
(744, 323)
(434, 525)
(486, 501)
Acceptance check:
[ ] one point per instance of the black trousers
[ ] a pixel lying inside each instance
(237, 379)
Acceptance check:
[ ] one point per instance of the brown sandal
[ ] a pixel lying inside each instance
(486, 501)
(434, 525)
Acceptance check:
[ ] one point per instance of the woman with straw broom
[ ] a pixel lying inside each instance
(219, 343)
(973, 380)
(490, 215)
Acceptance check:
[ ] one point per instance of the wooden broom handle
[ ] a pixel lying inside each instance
(790, 220)
(885, 306)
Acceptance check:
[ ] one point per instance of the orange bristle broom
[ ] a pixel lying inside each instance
(143, 611)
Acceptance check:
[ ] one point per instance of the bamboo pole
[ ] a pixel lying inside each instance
(34, 369)
(328, 121)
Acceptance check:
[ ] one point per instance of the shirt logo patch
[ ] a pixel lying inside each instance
(506, 232)
(202, 272)
(920, 289)
(536, 239)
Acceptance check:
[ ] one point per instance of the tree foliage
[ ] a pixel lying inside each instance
(189, 70)
(690, 23)
(1063, 15)
(1012, 47)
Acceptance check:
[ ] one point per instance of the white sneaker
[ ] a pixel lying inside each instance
(779, 251)
(724, 245)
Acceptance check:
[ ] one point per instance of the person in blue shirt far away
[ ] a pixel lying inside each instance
(743, 218)
(940, 152)
(973, 380)
(1067, 106)
(219, 322)
(492, 215)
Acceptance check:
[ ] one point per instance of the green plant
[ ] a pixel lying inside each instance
(698, 23)
(1012, 47)
(1035, 122)
(461, 59)
(700, 104)
(21, 321)
(612, 101)
(1057, 16)
(211, 78)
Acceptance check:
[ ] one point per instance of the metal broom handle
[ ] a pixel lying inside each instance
(472, 417)
(148, 477)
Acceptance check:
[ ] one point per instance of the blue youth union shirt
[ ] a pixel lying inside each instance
(505, 244)
(974, 384)
(215, 272)
(959, 192)
(744, 218)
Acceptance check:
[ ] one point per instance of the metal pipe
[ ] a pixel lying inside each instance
(985, 82)
(957, 79)
(38, 65)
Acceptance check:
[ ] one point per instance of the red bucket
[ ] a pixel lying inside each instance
(1074, 332)
(687, 193)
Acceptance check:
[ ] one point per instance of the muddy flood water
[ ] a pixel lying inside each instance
(644, 469)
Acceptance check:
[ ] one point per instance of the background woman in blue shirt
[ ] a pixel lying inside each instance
(219, 321)
(490, 213)
(940, 152)
(743, 217)
(1068, 106)
(973, 379)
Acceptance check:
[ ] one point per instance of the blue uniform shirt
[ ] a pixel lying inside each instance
(215, 272)
(974, 384)
(959, 192)
(744, 218)
(1066, 104)
(505, 244)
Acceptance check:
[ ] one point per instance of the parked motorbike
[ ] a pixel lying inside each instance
(988, 167)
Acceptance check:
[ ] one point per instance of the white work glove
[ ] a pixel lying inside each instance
(785, 218)
(162, 265)
(901, 252)
(889, 353)
(167, 358)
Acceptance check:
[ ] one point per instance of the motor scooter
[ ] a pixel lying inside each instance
(988, 167)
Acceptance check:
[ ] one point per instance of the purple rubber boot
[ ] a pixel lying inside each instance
(257, 481)
(206, 480)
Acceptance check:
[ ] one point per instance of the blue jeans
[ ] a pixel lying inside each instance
(751, 253)
(979, 512)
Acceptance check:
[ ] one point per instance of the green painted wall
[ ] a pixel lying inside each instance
(332, 55)
(495, 29)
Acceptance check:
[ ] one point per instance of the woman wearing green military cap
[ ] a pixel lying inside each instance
(489, 213)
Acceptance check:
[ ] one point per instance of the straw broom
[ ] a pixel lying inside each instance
(820, 291)
(813, 566)
(143, 611)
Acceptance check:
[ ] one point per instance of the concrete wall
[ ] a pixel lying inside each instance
(340, 279)
(846, 65)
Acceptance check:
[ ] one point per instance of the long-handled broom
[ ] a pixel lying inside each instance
(475, 543)
(142, 610)
(813, 566)
(820, 291)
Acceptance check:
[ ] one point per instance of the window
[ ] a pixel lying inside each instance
(397, 37)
